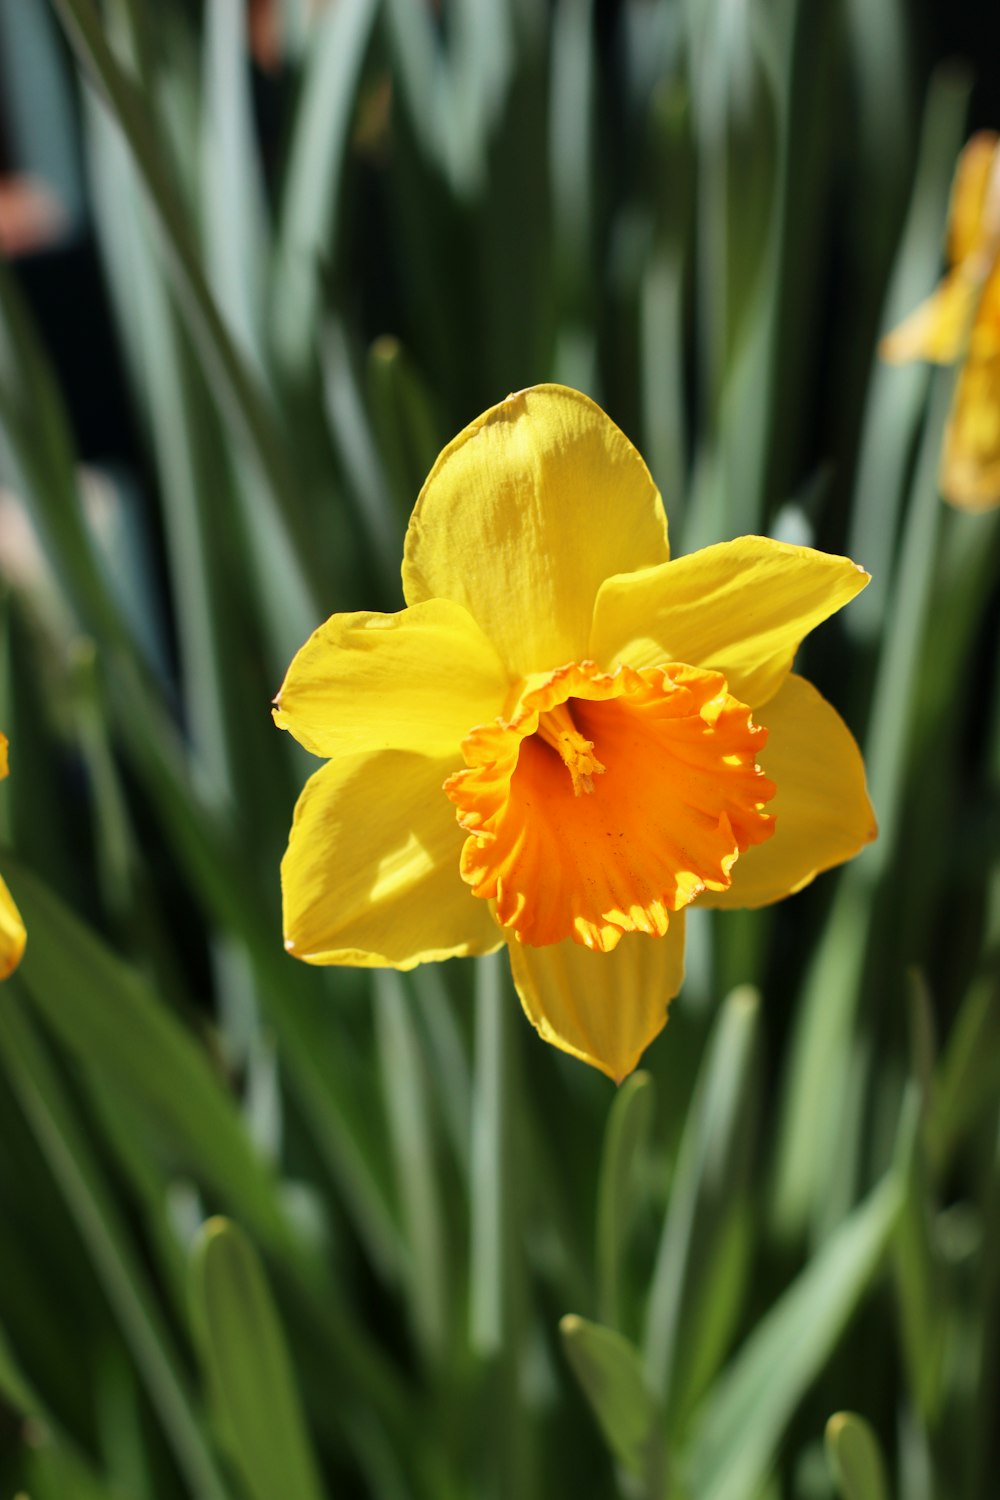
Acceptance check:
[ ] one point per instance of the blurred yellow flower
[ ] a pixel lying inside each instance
(556, 744)
(12, 935)
(961, 321)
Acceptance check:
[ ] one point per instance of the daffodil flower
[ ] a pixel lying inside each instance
(565, 738)
(12, 935)
(961, 321)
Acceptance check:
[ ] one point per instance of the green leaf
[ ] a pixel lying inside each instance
(16, 1389)
(491, 1196)
(406, 431)
(923, 1041)
(254, 417)
(233, 198)
(53, 1454)
(740, 1427)
(809, 1130)
(407, 1105)
(54, 1472)
(855, 1457)
(609, 1370)
(250, 1369)
(33, 420)
(127, 1041)
(919, 1282)
(307, 230)
(706, 1194)
(212, 523)
(63, 1141)
(625, 1137)
(968, 1076)
(367, 482)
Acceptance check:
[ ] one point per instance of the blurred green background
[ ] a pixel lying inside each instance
(273, 1233)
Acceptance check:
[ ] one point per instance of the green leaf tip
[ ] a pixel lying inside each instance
(855, 1457)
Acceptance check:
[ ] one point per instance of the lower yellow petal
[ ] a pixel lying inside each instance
(12, 934)
(970, 463)
(371, 873)
(821, 809)
(740, 608)
(604, 1008)
(416, 680)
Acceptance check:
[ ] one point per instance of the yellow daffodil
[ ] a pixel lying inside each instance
(961, 321)
(12, 935)
(565, 738)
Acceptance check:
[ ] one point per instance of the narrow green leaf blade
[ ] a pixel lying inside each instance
(307, 231)
(233, 202)
(855, 1457)
(243, 398)
(709, 1181)
(742, 1422)
(127, 1040)
(968, 1077)
(609, 1370)
(625, 1137)
(63, 1141)
(15, 1387)
(918, 1277)
(411, 1130)
(250, 1367)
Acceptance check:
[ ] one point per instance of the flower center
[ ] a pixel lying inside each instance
(557, 729)
(663, 794)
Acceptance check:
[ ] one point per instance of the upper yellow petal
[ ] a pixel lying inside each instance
(12, 934)
(604, 1008)
(524, 515)
(371, 873)
(821, 808)
(973, 209)
(3, 756)
(740, 608)
(418, 680)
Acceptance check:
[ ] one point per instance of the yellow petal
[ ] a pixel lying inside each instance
(970, 463)
(522, 517)
(740, 608)
(3, 756)
(371, 873)
(939, 328)
(821, 808)
(605, 1008)
(968, 220)
(12, 934)
(417, 680)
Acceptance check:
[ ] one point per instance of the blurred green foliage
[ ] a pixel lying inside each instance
(454, 1263)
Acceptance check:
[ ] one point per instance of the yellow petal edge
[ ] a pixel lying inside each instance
(740, 608)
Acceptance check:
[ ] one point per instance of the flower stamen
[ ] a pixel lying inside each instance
(556, 728)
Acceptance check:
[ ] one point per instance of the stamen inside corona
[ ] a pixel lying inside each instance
(557, 729)
(624, 839)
